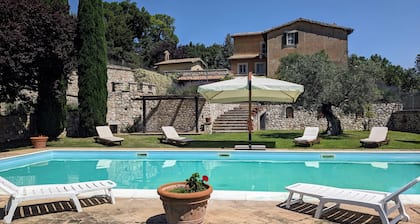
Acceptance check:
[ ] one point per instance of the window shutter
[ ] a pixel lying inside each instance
(296, 38)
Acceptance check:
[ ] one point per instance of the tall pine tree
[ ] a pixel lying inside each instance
(91, 46)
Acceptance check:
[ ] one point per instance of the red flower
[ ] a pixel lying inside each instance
(205, 178)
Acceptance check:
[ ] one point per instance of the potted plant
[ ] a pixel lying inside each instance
(39, 141)
(186, 202)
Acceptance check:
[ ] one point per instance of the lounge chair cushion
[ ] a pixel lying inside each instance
(377, 137)
(171, 136)
(310, 136)
(106, 136)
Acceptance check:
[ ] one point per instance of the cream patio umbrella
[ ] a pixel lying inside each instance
(251, 89)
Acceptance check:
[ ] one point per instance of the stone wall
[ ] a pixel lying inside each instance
(405, 121)
(275, 117)
(123, 110)
(179, 113)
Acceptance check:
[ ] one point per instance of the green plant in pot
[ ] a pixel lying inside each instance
(186, 201)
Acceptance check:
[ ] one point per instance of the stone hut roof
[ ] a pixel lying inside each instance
(201, 75)
(181, 60)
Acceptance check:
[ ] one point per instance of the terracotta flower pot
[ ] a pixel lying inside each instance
(39, 142)
(182, 208)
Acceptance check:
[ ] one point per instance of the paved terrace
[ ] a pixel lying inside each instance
(133, 208)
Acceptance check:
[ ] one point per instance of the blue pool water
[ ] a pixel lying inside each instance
(227, 170)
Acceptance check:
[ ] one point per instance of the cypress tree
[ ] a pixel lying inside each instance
(91, 64)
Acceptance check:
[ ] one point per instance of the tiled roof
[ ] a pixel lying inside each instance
(347, 29)
(209, 74)
(247, 34)
(244, 56)
(179, 61)
(201, 77)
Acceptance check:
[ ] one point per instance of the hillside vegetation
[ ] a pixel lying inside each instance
(162, 82)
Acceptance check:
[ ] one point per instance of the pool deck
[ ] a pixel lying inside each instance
(137, 206)
(150, 211)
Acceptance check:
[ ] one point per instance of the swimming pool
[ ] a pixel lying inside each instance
(267, 171)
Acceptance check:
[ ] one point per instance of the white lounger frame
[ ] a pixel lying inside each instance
(384, 203)
(48, 191)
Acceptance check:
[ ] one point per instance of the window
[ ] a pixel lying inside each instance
(290, 39)
(263, 50)
(140, 87)
(289, 112)
(259, 68)
(243, 68)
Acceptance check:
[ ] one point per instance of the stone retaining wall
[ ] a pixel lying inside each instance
(408, 121)
(124, 112)
(276, 117)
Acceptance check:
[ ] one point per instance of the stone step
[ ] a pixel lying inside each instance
(230, 122)
(235, 120)
(232, 119)
(229, 126)
(229, 131)
(233, 115)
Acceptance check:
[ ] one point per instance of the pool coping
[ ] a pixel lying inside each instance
(217, 194)
(242, 195)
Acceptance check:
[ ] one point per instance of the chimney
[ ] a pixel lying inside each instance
(167, 54)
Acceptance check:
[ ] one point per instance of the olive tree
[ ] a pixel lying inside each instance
(329, 85)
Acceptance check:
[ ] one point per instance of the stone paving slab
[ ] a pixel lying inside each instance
(150, 211)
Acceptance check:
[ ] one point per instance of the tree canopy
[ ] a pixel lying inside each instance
(91, 67)
(34, 36)
(136, 38)
(215, 56)
(327, 84)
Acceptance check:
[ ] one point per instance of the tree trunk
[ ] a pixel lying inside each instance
(334, 124)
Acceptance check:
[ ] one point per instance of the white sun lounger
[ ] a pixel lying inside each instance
(310, 136)
(171, 136)
(37, 192)
(106, 136)
(377, 137)
(384, 203)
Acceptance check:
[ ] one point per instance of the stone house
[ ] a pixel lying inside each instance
(199, 77)
(168, 64)
(260, 52)
(190, 71)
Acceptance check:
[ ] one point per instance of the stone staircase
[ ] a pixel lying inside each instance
(235, 120)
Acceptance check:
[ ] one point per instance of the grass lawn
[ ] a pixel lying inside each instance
(272, 139)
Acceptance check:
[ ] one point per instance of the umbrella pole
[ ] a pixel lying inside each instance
(249, 112)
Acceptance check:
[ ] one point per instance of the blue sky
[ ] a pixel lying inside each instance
(390, 28)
